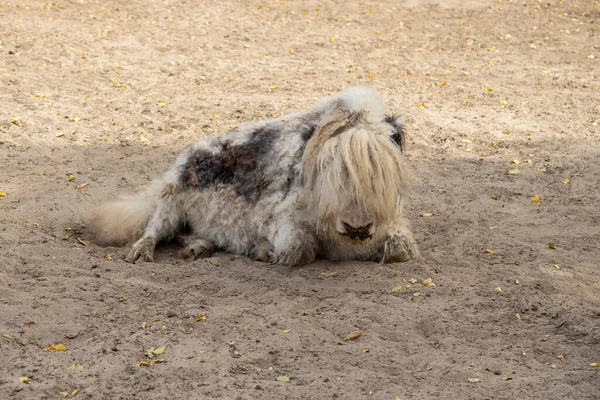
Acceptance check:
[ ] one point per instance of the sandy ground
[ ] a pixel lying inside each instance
(109, 92)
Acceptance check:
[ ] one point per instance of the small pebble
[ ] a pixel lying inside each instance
(171, 314)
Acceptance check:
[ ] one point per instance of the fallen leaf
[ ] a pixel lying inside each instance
(58, 347)
(474, 380)
(201, 318)
(78, 366)
(353, 335)
(494, 196)
(421, 105)
(24, 379)
(108, 257)
(196, 293)
(595, 364)
(506, 378)
(64, 395)
(149, 363)
(60, 134)
(160, 350)
(75, 119)
(81, 186)
(29, 323)
(366, 350)
(144, 325)
(537, 199)
(499, 289)
(286, 330)
(557, 266)
(283, 378)
(490, 251)
(517, 282)
(74, 392)
(514, 161)
(566, 181)
(2, 194)
(427, 214)
(518, 316)
(164, 327)
(416, 294)
(371, 75)
(397, 288)
(551, 246)
(71, 178)
(123, 299)
(562, 358)
(427, 282)
(412, 280)
(16, 122)
(334, 37)
(493, 227)
(514, 171)
(150, 353)
(160, 104)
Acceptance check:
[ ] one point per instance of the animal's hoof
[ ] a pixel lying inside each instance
(143, 248)
(400, 249)
(296, 257)
(197, 249)
(262, 252)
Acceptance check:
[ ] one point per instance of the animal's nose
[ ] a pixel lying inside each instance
(357, 224)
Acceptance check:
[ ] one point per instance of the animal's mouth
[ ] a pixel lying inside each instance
(362, 236)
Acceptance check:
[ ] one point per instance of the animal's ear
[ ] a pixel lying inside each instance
(397, 131)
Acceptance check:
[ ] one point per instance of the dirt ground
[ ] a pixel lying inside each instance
(106, 93)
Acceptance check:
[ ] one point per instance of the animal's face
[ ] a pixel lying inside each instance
(353, 177)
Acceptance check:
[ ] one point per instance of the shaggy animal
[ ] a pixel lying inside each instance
(325, 182)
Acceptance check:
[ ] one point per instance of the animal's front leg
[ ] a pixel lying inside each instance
(294, 244)
(400, 245)
(162, 224)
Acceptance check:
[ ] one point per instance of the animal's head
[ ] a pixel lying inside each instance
(352, 174)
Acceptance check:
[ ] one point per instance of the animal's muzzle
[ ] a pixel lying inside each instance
(358, 233)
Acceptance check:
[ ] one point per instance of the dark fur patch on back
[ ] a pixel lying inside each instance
(398, 130)
(240, 166)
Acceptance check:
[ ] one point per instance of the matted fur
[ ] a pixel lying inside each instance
(327, 181)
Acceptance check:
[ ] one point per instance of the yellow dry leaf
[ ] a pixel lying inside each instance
(397, 398)
(551, 246)
(144, 325)
(60, 134)
(499, 289)
(515, 161)
(201, 318)
(421, 105)
(334, 37)
(557, 266)
(562, 358)
(595, 364)
(416, 294)
(2, 194)
(493, 227)
(412, 280)
(64, 395)
(397, 288)
(160, 104)
(75, 119)
(490, 251)
(286, 330)
(108, 257)
(566, 181)
(81, 186)
(494, 196)
(71, 178)
(16, 122)
(74, 392)
(160, 350)
(164, 327)
(514, 171)
(24, 379)
(427, 214)
(489, 89)
(372, 75)
(517, 282)
(81, 241)
(537, 199)
(353, 335)
(58, 347)
(427, 282)
(149, 363)
(366, 350)
(518, 316)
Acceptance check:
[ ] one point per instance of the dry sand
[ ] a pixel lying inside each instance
(111, 91)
